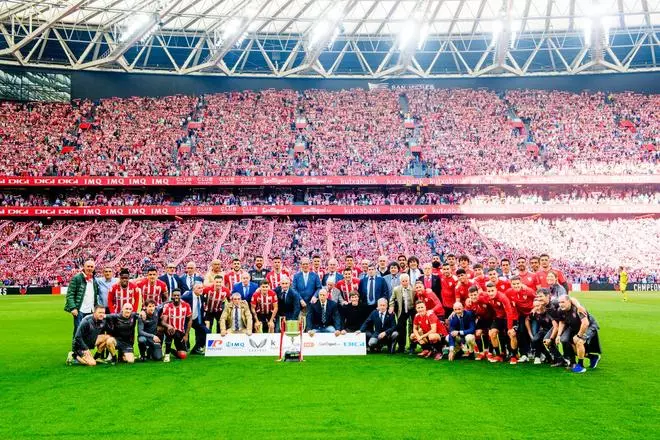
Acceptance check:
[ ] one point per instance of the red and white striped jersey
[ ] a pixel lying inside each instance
(274, 279)
(232, 278)
(215, 299)
(177, 315)
(118, 296)
(263, 304)
(152, 291)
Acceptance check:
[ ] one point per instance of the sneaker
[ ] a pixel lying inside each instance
(142, 359)
(543, 357)
(523, 358)
(494, 359)
(537, 361)
(430, 353)
(578, 369)
(424, 353)
(481, 356)
(594, 359)
(513, 361)
(559, 363)
(166, 358)
(438, 356)
(69, 358)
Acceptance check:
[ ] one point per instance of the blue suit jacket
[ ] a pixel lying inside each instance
(178, 283)
(188, 297)
(306, 291)
(184, 282)
(338, 277)
(314, 315)
(466, 325)
(238, 288)
(288, 307)
(381, 289)
(373, 324)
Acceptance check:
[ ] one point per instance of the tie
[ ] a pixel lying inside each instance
(171, 283)
(236, 319)
(305, 279)
(371, 290)
(244, 292)
(405, 299)
(323, 314)
(190, 282)
(382, 319)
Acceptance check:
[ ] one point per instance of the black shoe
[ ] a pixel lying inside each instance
(142, 359)
(411, 352)
(197, 351)
(558, 364)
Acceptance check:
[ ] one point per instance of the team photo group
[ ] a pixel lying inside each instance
(444, 309)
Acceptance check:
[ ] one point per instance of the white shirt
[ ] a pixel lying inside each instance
(88, 300)
(195, 306)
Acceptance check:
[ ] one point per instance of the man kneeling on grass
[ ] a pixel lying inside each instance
(175, 318)
(461, 332)
(122, 327)
(426, 333)
(88, 335)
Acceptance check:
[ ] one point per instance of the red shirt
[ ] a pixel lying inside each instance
(480, 282)
(176, 315)
(437, 272)
(542, 277)
(263, 304)
(232, 277)
(346, 287)
(447, 293)
(154, 291)
(481, 307)
(529, 279)
(431, 301)
(425, 321)
(215, 299)
(522, 299)
(461, 291)
(118, 296)
(501, 285)
(274, 278)
(356, 273)
(469, 272)
(503, 309)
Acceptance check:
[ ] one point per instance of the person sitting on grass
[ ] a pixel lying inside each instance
(149, 336)
(425, 332)
(88, 336)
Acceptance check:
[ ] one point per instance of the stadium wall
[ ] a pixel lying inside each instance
(94, 85)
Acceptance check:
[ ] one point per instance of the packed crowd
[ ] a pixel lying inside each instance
(586, 250)
(367, 197)
(348, 132)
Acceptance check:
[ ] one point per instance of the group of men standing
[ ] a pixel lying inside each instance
(450, 308)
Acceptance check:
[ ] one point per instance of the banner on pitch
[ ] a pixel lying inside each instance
(268, 344)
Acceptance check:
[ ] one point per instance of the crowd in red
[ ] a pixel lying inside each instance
(348, 132)
(585, 250)
(364, 197)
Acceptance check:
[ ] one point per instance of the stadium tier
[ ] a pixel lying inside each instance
(586, 250)
(353, 132)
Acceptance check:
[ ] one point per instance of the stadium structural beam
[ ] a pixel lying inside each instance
(14, 48)
(216, 56)
(118, 50)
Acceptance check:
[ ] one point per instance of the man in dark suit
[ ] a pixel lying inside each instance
(196, 301)
(306, 282)
(380, 328)
(353, 314)
(431, 281)
(323, 316)
(288, 302)
(172, 280)
(245, 288)
(191, 277)
(461, 331)
(372, 288)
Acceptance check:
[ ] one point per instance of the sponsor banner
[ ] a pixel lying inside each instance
(630, 287)
(9, 181)
(268, 344)
(335, 210)
(20, 290)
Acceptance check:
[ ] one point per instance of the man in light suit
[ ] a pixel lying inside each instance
(197, 302)
(172, 280)
(236, 317)
(245, 288)
(372, 288)
(380, 328)
(306, 283)
(191, 277)
(402, 304)
(323, 316)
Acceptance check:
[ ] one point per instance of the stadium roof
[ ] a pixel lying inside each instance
(333, 38)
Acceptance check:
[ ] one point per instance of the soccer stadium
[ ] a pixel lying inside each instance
(330, 219)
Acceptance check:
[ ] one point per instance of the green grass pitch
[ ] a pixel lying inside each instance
(377, 396)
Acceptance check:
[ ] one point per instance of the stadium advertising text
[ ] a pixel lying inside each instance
(268, 344)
